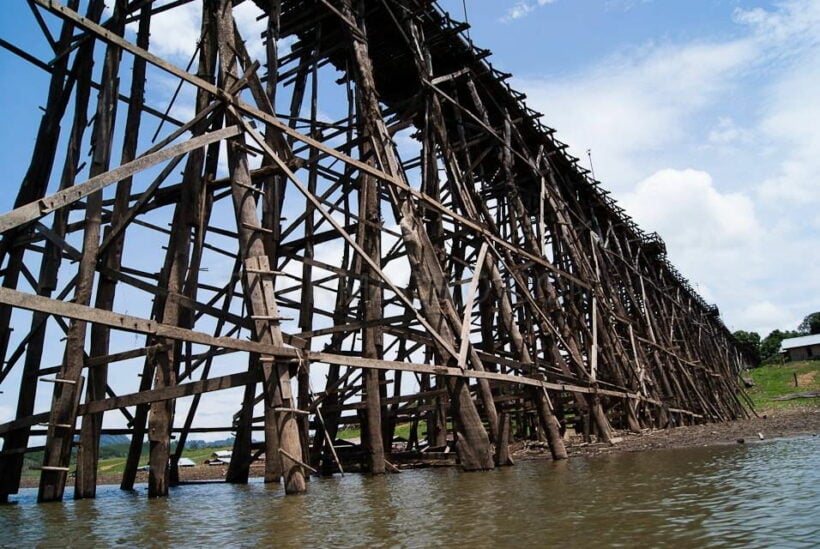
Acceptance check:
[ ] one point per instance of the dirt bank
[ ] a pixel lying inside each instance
(783, 422)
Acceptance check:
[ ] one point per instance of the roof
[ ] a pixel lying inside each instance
(795, 342)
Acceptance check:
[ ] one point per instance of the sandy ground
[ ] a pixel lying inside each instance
(771, 424)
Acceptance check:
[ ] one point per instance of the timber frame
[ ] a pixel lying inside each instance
(363, 207)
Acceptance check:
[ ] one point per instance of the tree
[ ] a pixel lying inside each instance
(770, 346)
(749, 343)
(810, 324)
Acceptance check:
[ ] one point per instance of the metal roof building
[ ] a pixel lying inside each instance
(801, 348)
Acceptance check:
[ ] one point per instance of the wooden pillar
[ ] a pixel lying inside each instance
(472, 439)
(88, 453)
(62, 418)
(258, 282)
(369, 236)
(32, 188)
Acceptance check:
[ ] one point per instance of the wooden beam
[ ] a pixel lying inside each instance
(44, 206)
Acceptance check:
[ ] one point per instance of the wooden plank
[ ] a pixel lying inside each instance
(468, 307)
(350, 240)
(172, 391)
(44, 206)
(134, 324)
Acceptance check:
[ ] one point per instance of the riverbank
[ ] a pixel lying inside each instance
(772, 423)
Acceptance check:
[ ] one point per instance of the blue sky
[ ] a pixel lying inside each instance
(703, 118)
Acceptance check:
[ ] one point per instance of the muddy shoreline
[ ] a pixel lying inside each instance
(771, 424)
(779, 423)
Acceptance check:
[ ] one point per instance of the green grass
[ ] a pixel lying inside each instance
(402, 430)
(776, 380)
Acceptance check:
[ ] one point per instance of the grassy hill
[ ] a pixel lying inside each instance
(772, 381)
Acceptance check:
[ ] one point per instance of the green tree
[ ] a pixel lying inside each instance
(770, 346)
(810, 324)
(749, 343)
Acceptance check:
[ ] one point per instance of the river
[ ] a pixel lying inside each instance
(765, 494)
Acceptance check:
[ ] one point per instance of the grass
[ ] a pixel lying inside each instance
(402, 430)
(774, 380)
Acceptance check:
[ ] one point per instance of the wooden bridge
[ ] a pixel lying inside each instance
(357, 223)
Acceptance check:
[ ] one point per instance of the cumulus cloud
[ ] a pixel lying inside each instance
(713, 143)
(685, 205)
(175, 33)
(730, 254)
(251, 28)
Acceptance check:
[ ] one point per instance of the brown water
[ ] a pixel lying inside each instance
(758, 495)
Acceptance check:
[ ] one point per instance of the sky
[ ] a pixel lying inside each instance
(702, 117)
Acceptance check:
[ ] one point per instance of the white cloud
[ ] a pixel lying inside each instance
(685, 205)
(250, 29)
(522, 8)
(793, 122)
(793, 24)
(175, 33)
(727, 132)
(764, 316)
(758, 273)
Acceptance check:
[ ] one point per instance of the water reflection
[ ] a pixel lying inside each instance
(760, 495)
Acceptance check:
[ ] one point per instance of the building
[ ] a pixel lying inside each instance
(801, 348)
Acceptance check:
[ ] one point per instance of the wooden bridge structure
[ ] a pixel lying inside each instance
(352, 221)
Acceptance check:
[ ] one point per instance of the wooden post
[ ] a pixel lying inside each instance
(66, 396)
(33, 187)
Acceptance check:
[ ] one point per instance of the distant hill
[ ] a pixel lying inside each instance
(111, 440)
(125, 440)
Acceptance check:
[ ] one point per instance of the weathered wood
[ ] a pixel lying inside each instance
(32, 188)
(61, 199)
(88, 453)
(397, 182)
(530, 295)
(259, 289)
(67, 396)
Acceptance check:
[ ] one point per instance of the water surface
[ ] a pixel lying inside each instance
(759, 495)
